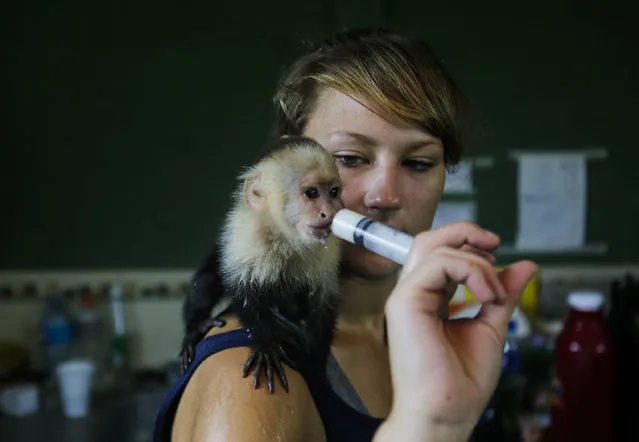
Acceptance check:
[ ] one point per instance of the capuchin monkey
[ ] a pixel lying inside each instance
(275, 264)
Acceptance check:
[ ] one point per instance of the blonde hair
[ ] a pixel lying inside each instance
(399, 74)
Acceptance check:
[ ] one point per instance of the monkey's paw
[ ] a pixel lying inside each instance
(268, 359)
(192, 339)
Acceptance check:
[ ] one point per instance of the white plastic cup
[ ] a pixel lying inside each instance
(75, 378)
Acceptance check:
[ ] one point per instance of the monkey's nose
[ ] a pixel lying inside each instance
(322, 214)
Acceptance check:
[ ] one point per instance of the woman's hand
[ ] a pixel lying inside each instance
(445, 371)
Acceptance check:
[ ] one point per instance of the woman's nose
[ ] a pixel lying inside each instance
(383, 189)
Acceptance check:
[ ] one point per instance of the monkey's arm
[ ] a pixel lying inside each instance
(205, 292)
(275, 329)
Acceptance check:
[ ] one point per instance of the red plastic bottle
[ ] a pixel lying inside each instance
(583, 365)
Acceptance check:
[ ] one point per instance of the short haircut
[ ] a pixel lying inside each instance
(398, 73)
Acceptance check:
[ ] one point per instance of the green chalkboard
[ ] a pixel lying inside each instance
(125, 124)
(546, 76)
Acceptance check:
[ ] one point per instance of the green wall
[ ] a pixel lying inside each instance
(125, 123)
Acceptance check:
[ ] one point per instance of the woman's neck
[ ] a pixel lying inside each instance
(363, 301)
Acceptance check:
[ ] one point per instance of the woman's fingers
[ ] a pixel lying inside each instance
(458, 253)
(460, 233)
(477, 251)
(497, 292)
(514, 279)
(428, 278)
(454, 235)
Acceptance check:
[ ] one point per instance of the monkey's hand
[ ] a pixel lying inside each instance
(192, 339)
(268, 358)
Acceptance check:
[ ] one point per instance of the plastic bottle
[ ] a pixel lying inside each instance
(118, 372)
(57, 331)
(91, 342)
(379, 238)
(584, 374)
(511, 358)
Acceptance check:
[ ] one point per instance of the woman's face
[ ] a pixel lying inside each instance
(391, 172)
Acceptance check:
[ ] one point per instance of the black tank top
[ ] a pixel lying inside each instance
(342, 422)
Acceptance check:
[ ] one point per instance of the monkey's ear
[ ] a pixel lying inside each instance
(254, 192)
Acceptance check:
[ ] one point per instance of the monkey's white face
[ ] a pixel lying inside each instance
(318, 203)
(390, 172)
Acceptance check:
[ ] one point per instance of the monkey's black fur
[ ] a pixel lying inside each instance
(205, 290)
(299, 322)
(282, 318)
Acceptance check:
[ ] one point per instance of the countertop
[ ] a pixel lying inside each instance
(121, 417)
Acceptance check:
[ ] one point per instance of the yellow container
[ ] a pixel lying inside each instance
(527, 303)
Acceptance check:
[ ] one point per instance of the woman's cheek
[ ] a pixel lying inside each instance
(351, 190)
(423, 209)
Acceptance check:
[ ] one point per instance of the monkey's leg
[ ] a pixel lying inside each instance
(191, 340)
(299, 330)
(267, 353)
(320, 329)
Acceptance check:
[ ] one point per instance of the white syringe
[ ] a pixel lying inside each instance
(379, 238)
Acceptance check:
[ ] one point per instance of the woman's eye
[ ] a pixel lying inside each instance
(349, 160)
(418, 165)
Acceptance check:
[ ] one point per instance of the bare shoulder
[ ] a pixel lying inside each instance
(219, 404)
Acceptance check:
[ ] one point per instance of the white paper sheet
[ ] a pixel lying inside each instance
(460, 180)
(552, 202)
(448, 212)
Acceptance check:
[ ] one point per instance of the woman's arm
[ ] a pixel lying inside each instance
(219, 404)
(444, 372)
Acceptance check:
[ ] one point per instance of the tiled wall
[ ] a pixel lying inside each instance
(152, 306)
(154, 299)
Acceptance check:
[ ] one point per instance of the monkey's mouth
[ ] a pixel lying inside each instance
(321, 231)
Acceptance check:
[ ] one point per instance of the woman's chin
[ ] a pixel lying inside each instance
(357, 261)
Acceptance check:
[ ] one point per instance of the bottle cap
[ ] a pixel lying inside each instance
(585, 301)
(344, 224)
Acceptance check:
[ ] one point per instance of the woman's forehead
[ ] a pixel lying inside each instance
(339, 117)
(336, 108)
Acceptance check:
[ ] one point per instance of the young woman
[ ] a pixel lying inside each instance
(390, 114)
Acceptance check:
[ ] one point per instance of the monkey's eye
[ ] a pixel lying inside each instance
(311, 193)
(334, 192)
